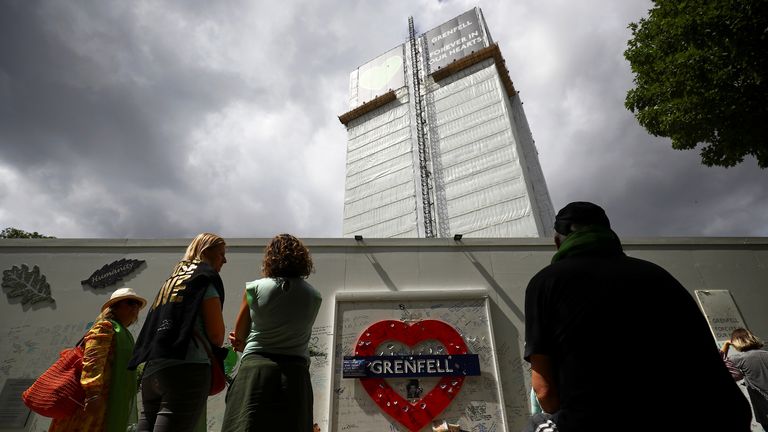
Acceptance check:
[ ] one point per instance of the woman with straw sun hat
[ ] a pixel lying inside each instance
(110, 388)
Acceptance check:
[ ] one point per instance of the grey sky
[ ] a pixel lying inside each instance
(164, 119)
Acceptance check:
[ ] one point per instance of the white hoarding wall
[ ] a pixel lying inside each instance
(31, 335)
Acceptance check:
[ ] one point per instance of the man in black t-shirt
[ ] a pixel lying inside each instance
(617, 344)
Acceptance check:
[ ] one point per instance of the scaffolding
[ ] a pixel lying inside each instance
(438, 143)
(421, 138)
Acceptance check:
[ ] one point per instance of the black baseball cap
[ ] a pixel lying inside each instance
(580, 213)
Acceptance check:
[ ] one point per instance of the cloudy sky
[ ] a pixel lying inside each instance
(148, 119)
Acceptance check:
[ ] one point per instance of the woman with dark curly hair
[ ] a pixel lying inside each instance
(272, 390)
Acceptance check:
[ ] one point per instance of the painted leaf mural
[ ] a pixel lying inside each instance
(28, 284)
(112, 272)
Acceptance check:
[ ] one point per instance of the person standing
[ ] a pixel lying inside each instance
(616, 343)
(110, 388)
(186, 312)
(752, 363)
(272, 390)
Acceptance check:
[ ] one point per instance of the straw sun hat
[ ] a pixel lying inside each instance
(124, 294)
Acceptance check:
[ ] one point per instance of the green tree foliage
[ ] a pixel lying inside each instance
(701, 77)
(11, 232)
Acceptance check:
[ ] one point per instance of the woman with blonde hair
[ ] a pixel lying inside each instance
(110, 388)
(272, 390)
(752, 362)
(185, 314)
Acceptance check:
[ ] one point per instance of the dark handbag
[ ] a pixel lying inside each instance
(216, 355)
(57, 393)
(736, 374)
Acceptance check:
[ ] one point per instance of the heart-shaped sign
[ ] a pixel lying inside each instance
(412, 415)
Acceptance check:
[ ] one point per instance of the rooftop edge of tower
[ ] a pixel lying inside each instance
(490, 52)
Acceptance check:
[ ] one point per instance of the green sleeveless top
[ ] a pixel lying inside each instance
(121, 410)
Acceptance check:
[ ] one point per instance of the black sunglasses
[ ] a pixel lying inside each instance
(132, 302)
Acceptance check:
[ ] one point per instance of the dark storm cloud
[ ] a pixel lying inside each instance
(67, 107)
(119, 117)
(152, 119)
(647, 188)
(573, 78)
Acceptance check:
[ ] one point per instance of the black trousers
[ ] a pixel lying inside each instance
(174, 397)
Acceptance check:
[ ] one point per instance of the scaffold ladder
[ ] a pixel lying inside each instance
(421, 139)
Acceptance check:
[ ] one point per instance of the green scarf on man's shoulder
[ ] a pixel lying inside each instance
(590, 240)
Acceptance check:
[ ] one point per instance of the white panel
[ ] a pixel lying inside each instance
(380, 196)
(503, 173)
(468, 88)
(491, 127)
(505, 229)
(502, 156)
(381, 213)
(489, 196)
(504, 211)
(367, 130)
(471, 120)
(362, 151)
(477, 148)
(541, 202)
(475, 77)
(377, 185)
(485, 192)
(376, 77)
(384, 225)
(461, 111)
(353, 88)
(385, 154)
(411, 232)
(387, 196)
(355, 179)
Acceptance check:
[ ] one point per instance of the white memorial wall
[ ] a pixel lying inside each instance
(425, 276)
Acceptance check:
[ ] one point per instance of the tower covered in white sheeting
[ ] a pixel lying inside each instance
(438, 143)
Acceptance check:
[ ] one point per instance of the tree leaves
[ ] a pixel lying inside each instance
(700, 77)
(29, 285)
(12, 232)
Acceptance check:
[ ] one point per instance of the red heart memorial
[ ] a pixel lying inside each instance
(412, 415)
